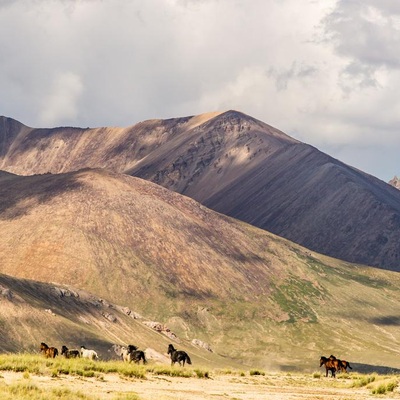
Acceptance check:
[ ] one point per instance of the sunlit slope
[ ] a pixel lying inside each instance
(235, 165)
(252, 295)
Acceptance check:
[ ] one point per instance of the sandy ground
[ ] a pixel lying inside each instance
(274, 387)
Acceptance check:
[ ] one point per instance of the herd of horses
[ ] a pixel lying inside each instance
(131, 353)
(334, 365)
(127, 354)
(52, 352)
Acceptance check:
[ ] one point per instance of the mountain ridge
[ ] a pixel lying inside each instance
(238, 166)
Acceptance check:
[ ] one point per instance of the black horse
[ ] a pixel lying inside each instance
(65, 351)
(136, 355)
(178, 356)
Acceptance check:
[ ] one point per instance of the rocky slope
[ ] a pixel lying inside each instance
(238, 166)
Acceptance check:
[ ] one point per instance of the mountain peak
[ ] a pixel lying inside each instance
(395, 182)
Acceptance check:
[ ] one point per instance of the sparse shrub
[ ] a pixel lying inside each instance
(170, 371)
(201, 374)
(256, 372)
(127, 396)
(316, 375)
(26, 374)
(385, 387)
(23, 389)
(133, 373)
(88, 374)
(363, 381)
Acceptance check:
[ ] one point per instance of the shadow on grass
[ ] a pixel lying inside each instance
(368, 369)
(356, 367)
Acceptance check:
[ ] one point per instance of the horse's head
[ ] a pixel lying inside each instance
(132, 348)
(322, 361)
(43, 346)
(171, 349)
(64, 349)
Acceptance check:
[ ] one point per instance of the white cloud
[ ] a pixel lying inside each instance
(325, 72)
(60, 105)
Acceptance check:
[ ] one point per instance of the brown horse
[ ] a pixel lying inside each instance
(343, 364)
(330, 365)
(49, 352)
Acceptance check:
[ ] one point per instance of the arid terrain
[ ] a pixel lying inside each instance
(219, 386)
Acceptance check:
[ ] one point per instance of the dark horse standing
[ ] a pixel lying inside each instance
(49, 352)
(178, 356)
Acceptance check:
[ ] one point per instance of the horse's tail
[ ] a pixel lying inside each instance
(144, 358)
(55, 352)
(348, 364)
(188, 360)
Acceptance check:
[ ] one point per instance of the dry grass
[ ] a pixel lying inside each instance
(43, 379)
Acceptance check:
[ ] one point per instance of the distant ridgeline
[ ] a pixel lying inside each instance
(236, 165)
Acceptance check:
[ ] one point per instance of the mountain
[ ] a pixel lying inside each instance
(255, 298)
(238, 166)
(395, 182)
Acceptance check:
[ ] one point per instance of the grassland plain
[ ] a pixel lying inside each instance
(33, 377)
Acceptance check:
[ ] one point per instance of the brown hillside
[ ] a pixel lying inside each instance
(101, 227)
(254, 297)
(238, 166)
(32, 312)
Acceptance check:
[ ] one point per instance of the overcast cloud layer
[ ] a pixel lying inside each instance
(326, 72)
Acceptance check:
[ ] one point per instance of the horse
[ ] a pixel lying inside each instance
(122, 351)
(70, 353)
(49, 352)
(178, 356)
(330, 365)
(130, 353)
(136, 355)
(343, 364)
(90, 354)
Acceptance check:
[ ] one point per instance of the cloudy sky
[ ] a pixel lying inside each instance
(326, 72)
